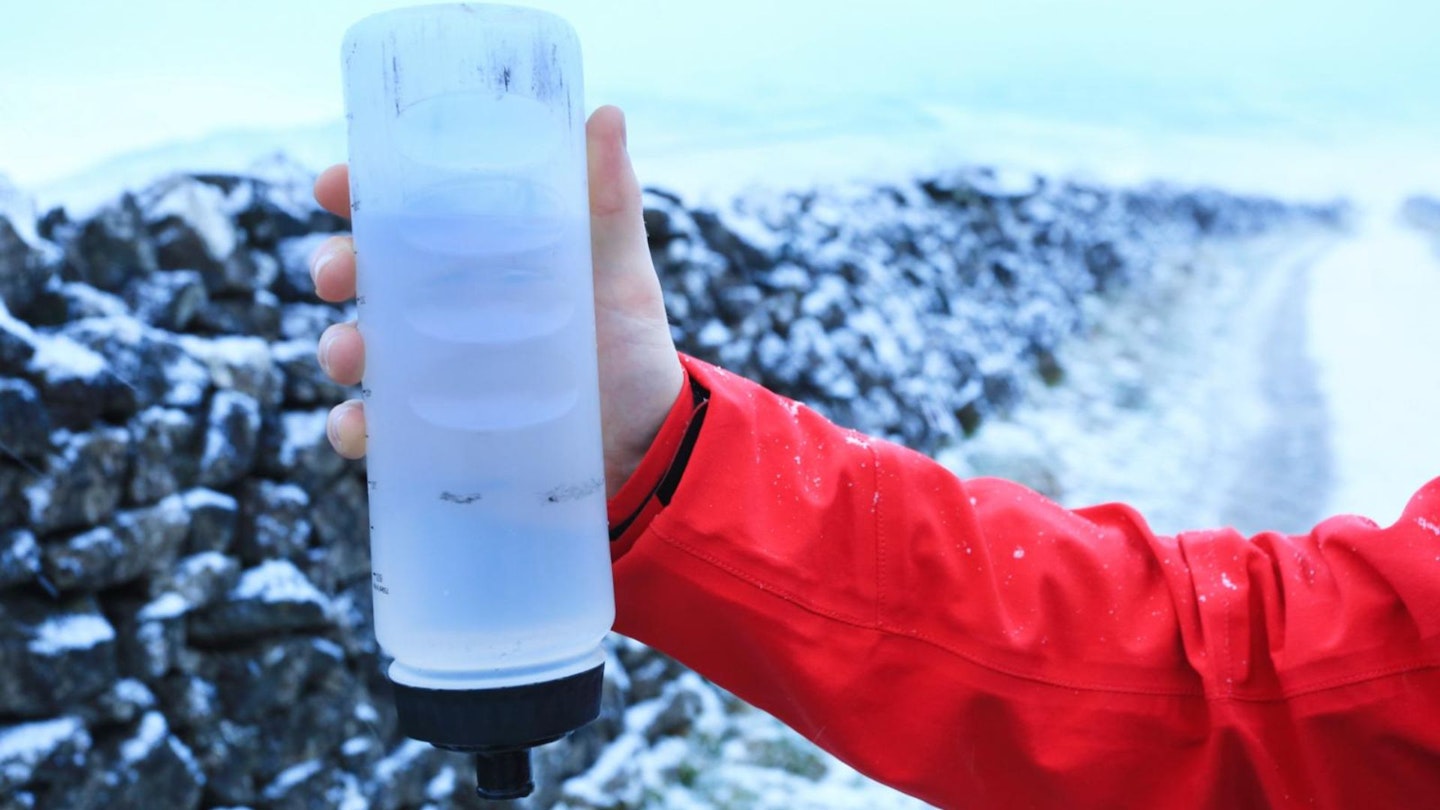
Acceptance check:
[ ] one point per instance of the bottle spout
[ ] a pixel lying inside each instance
(503, 774)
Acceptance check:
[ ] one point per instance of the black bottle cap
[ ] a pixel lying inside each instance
(500, 725)
(503, 775)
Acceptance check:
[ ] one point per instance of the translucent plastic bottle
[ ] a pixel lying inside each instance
(468, 191)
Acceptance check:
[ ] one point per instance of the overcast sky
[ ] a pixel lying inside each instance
(86, 79)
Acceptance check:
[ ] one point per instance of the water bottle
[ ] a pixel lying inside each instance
(491, 570)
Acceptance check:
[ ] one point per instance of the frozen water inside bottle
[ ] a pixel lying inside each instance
(487, 495)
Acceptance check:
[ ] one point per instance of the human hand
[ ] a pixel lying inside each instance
(640, 373)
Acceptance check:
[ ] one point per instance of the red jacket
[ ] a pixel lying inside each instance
(976, 645)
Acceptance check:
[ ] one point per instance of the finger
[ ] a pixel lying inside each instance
(341, 353)
(332, 190)
(332, 269)
(623, 270)
(346, 428)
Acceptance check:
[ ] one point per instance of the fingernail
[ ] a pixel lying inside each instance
(332, 426)
(318, 263)
(322, 352)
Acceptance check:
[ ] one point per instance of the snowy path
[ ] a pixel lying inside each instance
(1193, 402)
(1287, 382)
(1375, 332)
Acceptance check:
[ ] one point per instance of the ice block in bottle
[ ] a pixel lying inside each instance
(491, 571)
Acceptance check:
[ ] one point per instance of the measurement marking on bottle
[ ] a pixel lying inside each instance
(452, 497)
(377, 581)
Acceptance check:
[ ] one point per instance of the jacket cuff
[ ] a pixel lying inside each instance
(650, 486)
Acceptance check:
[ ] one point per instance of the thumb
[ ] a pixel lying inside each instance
(624, 275)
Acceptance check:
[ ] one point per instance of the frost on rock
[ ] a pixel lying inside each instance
(232, 435)
(288, 779)
(269, 598)
(71, 632)
(25, 747)
(151, 732)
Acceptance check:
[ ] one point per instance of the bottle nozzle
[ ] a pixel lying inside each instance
(503, 774)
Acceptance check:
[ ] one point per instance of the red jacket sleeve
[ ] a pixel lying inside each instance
(976, 645)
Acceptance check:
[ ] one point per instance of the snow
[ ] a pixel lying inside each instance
(59, 634)
(206, 209)
(277, 581)
(98, 302)
(201, 497)
(26, 745)
(442, 786)
(328, 648)
(209, 562)
(1373, 313)
(404, 756)
(292, 776)
(170, 605)
(187, 758)
(217, 444)
(59, 357)
(228, 356)
(151, 732)
(355, 746)
(301, 431)
(133, 691)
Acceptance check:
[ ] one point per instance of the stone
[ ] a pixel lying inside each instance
(296, 449)
(199, 579)
(232, 434)
(306, 384)
(151, 634)
(169, 300)
(32, 752)
(306, 322)
(149, 767)
(24, 270)
(328, 719)
(267, 675)
(228, 753)
(257, 313)
(24, 422)
(15, 481)
(77, 384)
(84, 482)
(163, 444)
(79, 300)
(17, 343)
(190, 702)
(190, 222)
(111, 248)
(340, 516)
(293, 283)
(126, 701)
(84, 560)
(240, 364)
(401, 777)
(273, 521)
(142, 541)
(151, 364)
(19, 557)
(53, 655)
(273, 597)
(648, 669)
(214, 517)
(310, 784)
